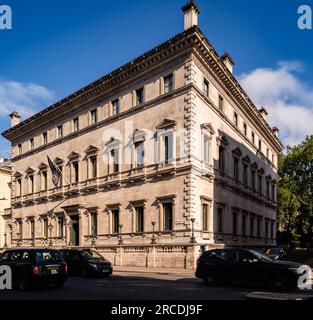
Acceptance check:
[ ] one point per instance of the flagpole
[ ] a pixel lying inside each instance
(63, 175)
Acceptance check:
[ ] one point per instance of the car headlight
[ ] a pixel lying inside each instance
(93, 266)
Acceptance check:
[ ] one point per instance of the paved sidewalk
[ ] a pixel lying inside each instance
(173, 271)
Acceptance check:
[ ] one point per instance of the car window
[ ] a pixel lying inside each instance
(246, 256)
(4, 257)
(228, 255)
(211, 255)
(49, 256)
(74, 256)
(25, 256)
(16, 256)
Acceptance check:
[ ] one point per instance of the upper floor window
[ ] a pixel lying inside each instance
(19, 149)
(245, 129)
(251, 225)
(220, 103)
(140, 153)
(253, 173)
(44, 181)
(206, 87)
(244, 224)
(205, 218)
(60, 132)
(221, 159)
(76, 124)
(168, 147)
(235, 223)
(93, 116)
(45, 227)
(31, 188)
(260, 145)
(206, 148)
(93, 223)
(115, 107)
(93, 167)
(61, 223)
(75, 172)
(245, 174)
(273, 159)
(115, 220)
(253, 137)
(114, 161)
(31, 144)
(220, 220)
(45, 138)
(259, 221)
(140, 96)
(140, 219)
(235, 119)
(236, 169)
(267, 153)
(19, 187)
(168, 83)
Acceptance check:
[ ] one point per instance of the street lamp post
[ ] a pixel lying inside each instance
(153, 241)
(120, 241)
(50, 227)
(193, 239)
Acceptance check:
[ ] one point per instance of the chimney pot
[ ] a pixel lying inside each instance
(228, 61)
(275, 131)
(263, 113)
(191, 12)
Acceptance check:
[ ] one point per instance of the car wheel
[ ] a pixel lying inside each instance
(280, 283)
(23, 284)
(211, 279)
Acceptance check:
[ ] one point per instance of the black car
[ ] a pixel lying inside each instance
(247, 266)
(86, 262)
(32, 267)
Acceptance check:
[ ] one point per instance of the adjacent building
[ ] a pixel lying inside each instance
(161, 158)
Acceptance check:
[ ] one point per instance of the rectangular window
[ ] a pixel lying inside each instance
(76, 124)
(260, 184)
(115, 160)
(273, 192)
(45, 228)
(260, 145)
(93, 116)
(220, 103)
(221, 159)
(268, 189)
(253, 137)
(266, 229)
(19, 187)
(168, 148)
(259, 227)
(206, 87)
(61, 176)
(75, 173)
(267, 153)
(168, 83)
(273, 159)
(139, 219)
(44, 181)
(235, 119)
(31, 184)
(115, 107)
(93, 223)
(235, 225)
(140, 154)
(205, 212)
(245, 129)
(251, 226)
(93, 167)
(167, 216)
(245, 175)
(32, 144)
(244, 227)
(272, 229)
(45, 138)
(115, 221)
(140, 96)
(19, 149)
(20, 229)
(32, 229)
(60, 132)
(236, 169)
(253, 179)
(220, 220)
(206, 148)
(61, 227)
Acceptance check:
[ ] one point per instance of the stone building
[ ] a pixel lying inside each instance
(5, 203)
(161, 158)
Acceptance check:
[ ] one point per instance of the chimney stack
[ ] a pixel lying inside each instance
(15, 118)
(228, 61)
(275, 131)
(191, 12)
(263, 113)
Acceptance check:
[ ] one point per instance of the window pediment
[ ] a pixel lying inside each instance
(246, 159)
(261, 171)
(237, 152)
(30, 171)
(17, 174)
(92, 149)
(222, 140)
(58, 160)
(208, 127)
(254, 166)
(166, 124)
(73, 155)
(42, 166)
(139, 135)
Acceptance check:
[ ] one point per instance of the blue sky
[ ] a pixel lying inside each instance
(58, 46)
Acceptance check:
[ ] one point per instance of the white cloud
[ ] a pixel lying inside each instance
(26, 98)
(288, 100)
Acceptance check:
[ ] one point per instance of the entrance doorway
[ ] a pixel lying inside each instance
(74, 230)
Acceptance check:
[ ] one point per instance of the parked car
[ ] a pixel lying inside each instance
(247, 266)
(86, 262)
(276, 253)
(33, 267)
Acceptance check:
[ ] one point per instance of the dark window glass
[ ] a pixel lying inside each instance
(140, 97)
(168, 216)
(139, 219)
(93, 164)
(93, 115)
(228, 255)
(236, 169)
(115, 221)
(235, 220)
(76, 124)
(168, 83)
(243, 225)
(219, 220)
(45, 138)
(76, 171)
(60, 132)
(94, 223)
(168, 148)
(221, 160)
(221, 103)
(205, 212)
(206, 87)
(251, 226)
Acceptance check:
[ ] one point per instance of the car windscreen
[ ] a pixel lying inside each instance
(92, 255)
(261, 256)
(48, 256)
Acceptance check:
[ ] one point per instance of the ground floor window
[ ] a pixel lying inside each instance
(139, 219)
(220, 220)
(235, 220)
(205, 212)
(61, 227)
(115, 220)
(45, 228)
(93, 223)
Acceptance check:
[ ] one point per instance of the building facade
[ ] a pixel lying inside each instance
(161, 157)
(5, 202)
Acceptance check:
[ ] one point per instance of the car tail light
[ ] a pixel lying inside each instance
(35, 270)
(65, 268)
